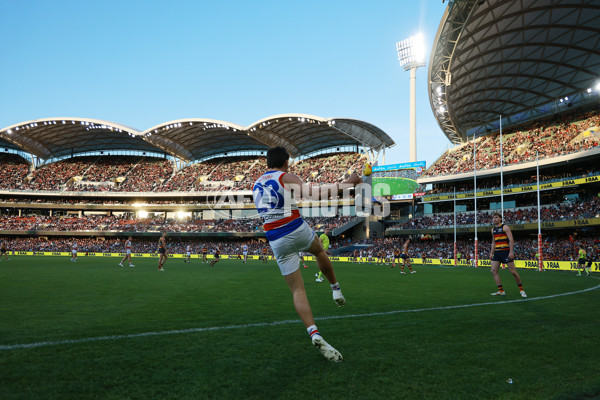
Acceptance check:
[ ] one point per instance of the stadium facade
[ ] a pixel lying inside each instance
(516, 86)
(513, 84)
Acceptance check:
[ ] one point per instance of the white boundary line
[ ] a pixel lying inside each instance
(284, 322)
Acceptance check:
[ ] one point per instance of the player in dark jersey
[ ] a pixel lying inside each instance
(204, 254)
(590, 258)
(162, 251)
(4, 251)
(217, 255)
(406, 258)
(397, 257)
(502, 252)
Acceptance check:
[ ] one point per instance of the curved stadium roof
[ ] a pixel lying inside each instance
(58, 137)
(193, 139)
(512, 58)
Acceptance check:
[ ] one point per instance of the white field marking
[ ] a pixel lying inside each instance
(284, 322)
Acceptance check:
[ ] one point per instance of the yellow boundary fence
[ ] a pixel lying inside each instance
(548, 265)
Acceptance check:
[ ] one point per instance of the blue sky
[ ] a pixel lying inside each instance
(141, 63)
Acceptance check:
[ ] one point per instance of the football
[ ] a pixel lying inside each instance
(367, 170)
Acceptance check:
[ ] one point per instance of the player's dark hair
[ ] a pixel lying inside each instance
(276, 157)
(498, 214)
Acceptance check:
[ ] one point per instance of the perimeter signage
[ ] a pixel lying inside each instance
(522, 189)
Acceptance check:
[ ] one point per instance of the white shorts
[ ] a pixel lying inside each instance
(74, 252)
(128, 251)
(245, 253)
(286, 249)
(188, 254)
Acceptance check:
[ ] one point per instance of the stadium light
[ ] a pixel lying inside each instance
(411, 54)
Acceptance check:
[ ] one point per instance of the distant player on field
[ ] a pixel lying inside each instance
(4, 251)
(162, 251)
(188, 254)
(245, 252)
(406, 258)
(302, 260)
(502, 252)
(74, 251)
(591, 256)
(127, 253)
(396, 257)
(217, 256)
(204, 254)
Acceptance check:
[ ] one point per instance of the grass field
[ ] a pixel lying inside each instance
(396, 186)
(93, 330)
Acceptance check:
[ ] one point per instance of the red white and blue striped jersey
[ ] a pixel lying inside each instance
(500, 238)
(275, 205)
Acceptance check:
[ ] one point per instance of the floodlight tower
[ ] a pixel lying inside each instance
(411, 54)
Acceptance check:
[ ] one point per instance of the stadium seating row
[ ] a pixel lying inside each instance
(562, 136)
(145, 174)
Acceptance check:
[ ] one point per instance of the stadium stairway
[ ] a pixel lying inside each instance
(348, 225)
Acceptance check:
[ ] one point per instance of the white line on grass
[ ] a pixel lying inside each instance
(284, 322)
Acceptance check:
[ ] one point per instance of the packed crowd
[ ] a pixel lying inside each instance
(558, 212)
(147, 174)
(563, 136)
(13, 170)
(187, 178)
(127, 223)
(176, 245)
(402, 173)
(328, 168)
(516, 181)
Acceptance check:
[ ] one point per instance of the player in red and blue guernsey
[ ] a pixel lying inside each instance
(288, 234)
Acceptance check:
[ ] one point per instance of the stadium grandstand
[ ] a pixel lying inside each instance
(99, 182)
(516, 87)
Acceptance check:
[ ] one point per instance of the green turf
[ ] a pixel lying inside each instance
(545, 346)
(396, 186)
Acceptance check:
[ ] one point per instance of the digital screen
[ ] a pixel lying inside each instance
(399, 180)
